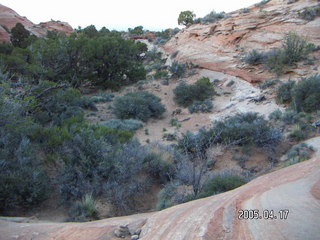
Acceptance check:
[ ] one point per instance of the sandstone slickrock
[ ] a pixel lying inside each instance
(221, 45)
(9, 18)
(296, 188)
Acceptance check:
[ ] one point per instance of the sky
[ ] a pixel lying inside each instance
(120, 14)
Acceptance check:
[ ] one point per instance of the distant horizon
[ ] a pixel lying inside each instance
(122, 14)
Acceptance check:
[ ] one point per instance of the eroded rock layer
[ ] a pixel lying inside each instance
(220, 46)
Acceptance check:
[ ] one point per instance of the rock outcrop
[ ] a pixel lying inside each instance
(221, 45)
(9, 18)
(294, 190)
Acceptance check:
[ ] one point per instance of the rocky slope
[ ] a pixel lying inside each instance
(9, 18)
(295, 188)
(221, 45)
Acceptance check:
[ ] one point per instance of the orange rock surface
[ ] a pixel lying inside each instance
(221, 45)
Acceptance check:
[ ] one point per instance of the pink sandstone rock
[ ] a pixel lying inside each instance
(9, 18)
(221, 45)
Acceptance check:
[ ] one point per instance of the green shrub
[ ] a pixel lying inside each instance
(158, 168)
(84, 210)
(174, 122)
(160, 41)
(169, 196)
(186, 94)
(254, 57)
(295, 48)
(275, 61)
(87, 103)
(161, 74)
(130, 124)
(24, 182)
(108, 70)
(123, 188)
(107, 60)
(183, 94)
(306, 94)
(266, 84)
(102, 97)
(138, 105)
(88, 157)
(20, 37)
(290, 117)
(6, 48)
(284, 92)
(245, 10)
(138, 30)
(186, 18)
(86, 162)
(297, 134)
(195, 143)
(262, 3)
(276, 114)
(221, 184)
(247, 128)
(241, 159)
(210, 18)
(169, 136)
(177, 69)
(310, 13)
(153, 54)
(201, 106)
(299, 153)
(158, 65)
(112, 136)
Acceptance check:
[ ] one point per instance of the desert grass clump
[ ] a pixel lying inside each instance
(297, 134)
(284, 92)
(178, 69)
(84, 210)
(186, 94)
(102, 97)
(127, 124)
(254, 57)
(201, 106)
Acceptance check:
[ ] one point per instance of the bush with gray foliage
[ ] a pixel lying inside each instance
(138, 105)
(127, 124)
(201, 106)
(186, 94)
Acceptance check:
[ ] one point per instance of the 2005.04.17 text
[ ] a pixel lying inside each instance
(249, 214)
